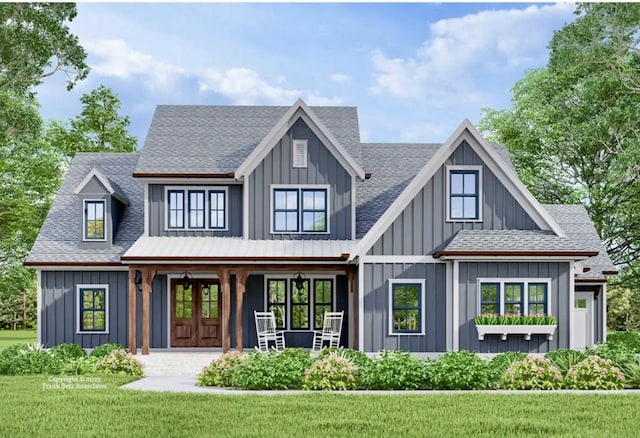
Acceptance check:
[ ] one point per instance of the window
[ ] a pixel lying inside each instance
(94, 220)
(514, 296)
(93, 308)
(300, 210)
(464, 193)
(299, 152)
(299, 309)
(406, 301)
(196, 208)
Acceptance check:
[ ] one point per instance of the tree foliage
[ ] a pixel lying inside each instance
(572, 127)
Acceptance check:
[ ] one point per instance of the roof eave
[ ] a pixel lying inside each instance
(580, 255)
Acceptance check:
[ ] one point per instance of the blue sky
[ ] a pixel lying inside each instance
(414, 71)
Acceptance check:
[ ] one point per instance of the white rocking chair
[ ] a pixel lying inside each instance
(331, 329)
(266, 330)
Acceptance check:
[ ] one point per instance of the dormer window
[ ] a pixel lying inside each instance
(94, 220)
(464, 193)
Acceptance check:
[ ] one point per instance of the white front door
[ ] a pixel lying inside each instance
(583, 320)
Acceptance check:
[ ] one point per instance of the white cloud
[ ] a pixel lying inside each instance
(244, 86)
(316, 99)
(461, 50)
(117, 59)
(340, 77)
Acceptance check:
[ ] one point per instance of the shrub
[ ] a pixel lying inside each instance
(119, 362)
(629, 340)
(631, 371)
(272, 370)
(67, 352)
(23, 359)
(459, 370)
(501, 363)
(358, 358)
(334, 371)
(532, 373)
(594, 373)
(618, 354)
(105, 349)
(82, 365)
(565, 358)
(394, 370)
(218, 373)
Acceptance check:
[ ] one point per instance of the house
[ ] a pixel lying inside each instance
(231, 209)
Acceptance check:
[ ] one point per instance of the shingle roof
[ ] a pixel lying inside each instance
(510, 241)
(217, 139)
(60, 240)
(577, 225)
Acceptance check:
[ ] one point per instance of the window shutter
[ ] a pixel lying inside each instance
(299, 153)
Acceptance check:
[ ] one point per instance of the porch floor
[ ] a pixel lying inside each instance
(177, 362)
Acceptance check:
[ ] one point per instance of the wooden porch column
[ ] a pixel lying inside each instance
(147, 278)
(352, 275)
(223, 275)
(132, 311)
(241, 284)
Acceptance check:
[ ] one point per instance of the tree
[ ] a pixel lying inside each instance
(572, 127)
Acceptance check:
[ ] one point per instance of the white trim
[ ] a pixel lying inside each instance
(104, 181)
(178, 180)
(299, 110)
(572, 303)
(510, 258)
(39, 306)
(288, 277)
(421, 282)
(245, 208)
(480, 189)
(519, 280)
(449, 305)
(456, 306)
(295, 144)
(67, 268)
(147, 213)
(399, 259)
(465, 132)
(105, 225)
(361, 307)
(228, 262)
(299, 187)
(78, 308)
(603, 291)
(354, 202)
(207, 207)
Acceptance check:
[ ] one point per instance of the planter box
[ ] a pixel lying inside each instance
(526, 330)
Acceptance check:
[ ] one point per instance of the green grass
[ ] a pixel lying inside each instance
(10, 337)
(28, 409)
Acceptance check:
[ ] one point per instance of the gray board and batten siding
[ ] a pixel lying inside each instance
(558, 272)
(323, 169)
(158, 212)
(376, 307)
(422, 228)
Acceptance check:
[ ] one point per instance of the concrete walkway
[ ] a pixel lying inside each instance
(188, 384)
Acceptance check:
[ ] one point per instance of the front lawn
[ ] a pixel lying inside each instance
(28, 407)
(10, 337)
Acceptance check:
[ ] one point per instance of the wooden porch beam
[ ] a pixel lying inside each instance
(147, 279)
(223, 276)
(241, 284)
(133, 289)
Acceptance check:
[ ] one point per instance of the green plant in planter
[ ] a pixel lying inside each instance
(489, 319)
(594, 373)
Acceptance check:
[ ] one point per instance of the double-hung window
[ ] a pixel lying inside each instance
(93, 308)
(464, 199)
(299, 309)
(196, 208)
(94, 220)
(406, 307)
(300, 210)
(514, 296)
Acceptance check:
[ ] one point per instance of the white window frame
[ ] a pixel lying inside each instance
(422, 283)
(84, 220)
(207, 208)
(79, 288)
(289, 278)
(294, 145)
(503, 281)
(299, 187)
(475, 168)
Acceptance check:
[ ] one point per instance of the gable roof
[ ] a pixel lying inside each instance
(110, 186)
(299, 110)
(491, 158)
(60, 238)
(214, 140)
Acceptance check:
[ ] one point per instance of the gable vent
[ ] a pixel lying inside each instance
(299, 153)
